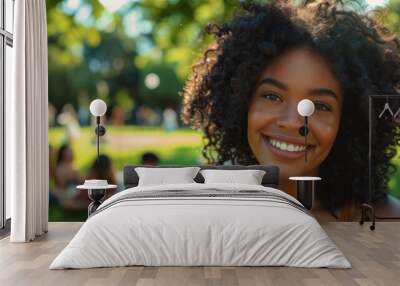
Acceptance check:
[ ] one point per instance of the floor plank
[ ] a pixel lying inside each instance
(375, 257)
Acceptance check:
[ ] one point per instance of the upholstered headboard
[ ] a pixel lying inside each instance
(270, 179)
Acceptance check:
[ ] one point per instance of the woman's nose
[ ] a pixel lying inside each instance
(290, 118)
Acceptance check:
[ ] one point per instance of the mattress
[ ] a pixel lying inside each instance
(201, 225)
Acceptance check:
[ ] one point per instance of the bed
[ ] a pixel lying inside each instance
(201, 224)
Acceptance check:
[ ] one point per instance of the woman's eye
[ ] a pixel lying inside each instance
(271, 96)
(322, 106)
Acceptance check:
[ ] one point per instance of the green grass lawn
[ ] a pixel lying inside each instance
(126, 144)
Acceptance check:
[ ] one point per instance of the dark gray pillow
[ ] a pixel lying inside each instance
(270, 179)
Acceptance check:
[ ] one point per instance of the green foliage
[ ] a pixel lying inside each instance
(94, 55)
(170, 84)
(393, 16)
(178, 29)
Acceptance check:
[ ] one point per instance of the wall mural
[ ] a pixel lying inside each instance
(219, 82)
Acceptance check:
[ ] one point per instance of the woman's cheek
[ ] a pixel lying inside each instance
(254, 123)
(326, 129)
(255, 118)
(261, 113)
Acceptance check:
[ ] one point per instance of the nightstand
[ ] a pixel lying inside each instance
(305, 190)
(96, 195)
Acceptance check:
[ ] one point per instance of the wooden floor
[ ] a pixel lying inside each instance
(375, 256)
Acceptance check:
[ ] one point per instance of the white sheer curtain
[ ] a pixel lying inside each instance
(26, 124)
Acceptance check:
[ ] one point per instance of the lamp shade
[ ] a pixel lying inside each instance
(98, 107)
(305, 107)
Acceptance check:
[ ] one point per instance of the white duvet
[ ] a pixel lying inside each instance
(192, 231)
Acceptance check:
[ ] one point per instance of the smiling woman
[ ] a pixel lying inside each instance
(244, 94)
(273, 120)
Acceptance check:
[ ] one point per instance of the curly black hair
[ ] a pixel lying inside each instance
(362, 53)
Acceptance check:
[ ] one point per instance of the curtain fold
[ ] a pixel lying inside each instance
(27, 141)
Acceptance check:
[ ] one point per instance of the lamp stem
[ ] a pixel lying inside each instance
(305, 137)
(98, 139)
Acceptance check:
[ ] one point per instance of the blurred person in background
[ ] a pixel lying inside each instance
(66, 176)
(69, 119)
(52, 115)
(148, 116)
(118, 116)
(83, 109)
(170, 119)
(101, 169)
(149, 158)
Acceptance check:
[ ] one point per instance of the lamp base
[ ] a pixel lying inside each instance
(96, 196)
(365, 208)
(305, 193)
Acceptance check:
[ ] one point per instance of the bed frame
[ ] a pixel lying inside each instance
(270, 179)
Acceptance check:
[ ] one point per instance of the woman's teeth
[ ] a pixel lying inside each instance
(287, 146)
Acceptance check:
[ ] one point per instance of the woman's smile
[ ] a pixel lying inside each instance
(284, 147)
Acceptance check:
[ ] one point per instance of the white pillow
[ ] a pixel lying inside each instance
(248, 177)
(163, 176)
